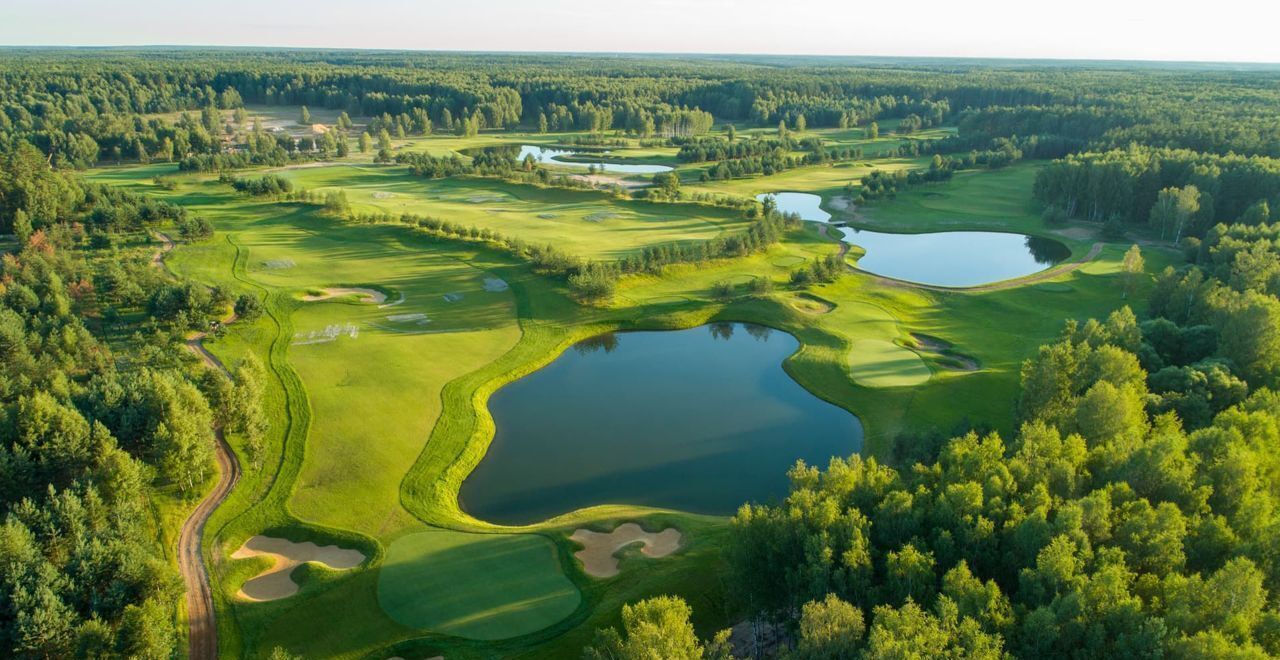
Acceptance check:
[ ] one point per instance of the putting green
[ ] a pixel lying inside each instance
(879, 363)
(478, 586)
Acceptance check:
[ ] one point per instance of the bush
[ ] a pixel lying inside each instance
(248, 307)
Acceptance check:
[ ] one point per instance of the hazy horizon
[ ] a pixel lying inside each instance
(1236, 31)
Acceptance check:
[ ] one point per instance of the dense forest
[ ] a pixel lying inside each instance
(1134, 513)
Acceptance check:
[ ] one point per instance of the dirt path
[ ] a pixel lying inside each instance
(203, 630)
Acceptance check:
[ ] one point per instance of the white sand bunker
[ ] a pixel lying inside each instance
(599, 549)
(494, 285)
(366, 295)
(330, 333)
(275, 583)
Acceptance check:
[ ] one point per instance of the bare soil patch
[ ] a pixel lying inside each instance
(275, 583)
(366, 295)
(598, 555)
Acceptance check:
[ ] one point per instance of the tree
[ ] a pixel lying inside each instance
(1174, 209)
(1134, 267)
(656, 628)
(873, 131)
(304, 117)
(801, 123)
(248, 307)
(542, 122)
(731, 132)
(366, 142)
(830, 629)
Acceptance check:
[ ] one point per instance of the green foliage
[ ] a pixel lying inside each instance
(658, 627)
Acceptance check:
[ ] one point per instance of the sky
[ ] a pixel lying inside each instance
(1219, 31)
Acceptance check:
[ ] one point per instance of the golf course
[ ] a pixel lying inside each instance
(458, 422)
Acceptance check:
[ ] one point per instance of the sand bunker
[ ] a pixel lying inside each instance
(366, 295)
(494, 285)
(330, 333)
(599, 548)
(275, 583)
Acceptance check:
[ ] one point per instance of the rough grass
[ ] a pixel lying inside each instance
(476, 586)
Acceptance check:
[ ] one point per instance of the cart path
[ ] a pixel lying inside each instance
(203, 629)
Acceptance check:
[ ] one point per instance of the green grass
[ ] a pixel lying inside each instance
(585, 223)
(879, 363)
(476, 586)
(372, 435)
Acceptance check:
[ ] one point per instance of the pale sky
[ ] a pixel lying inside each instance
(1223, 30)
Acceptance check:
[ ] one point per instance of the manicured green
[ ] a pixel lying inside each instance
(879, 363)
(477, 586)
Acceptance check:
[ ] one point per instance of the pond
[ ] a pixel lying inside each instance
(699, 420)
(949, 258)
(553, 156)
(954, 258)
(808, 205)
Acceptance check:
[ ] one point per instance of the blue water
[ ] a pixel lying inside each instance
(699, 420)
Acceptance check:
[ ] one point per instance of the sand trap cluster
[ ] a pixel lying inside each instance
(275, 583)
(366, 295)
(330, 333)
(599, 548)
(494, 285)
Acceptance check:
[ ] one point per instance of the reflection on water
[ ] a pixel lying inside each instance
(553, 156)
(699, 420)
(954, 258)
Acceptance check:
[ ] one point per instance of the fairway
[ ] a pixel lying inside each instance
(879, 363)
(582, 222)
(477, 586)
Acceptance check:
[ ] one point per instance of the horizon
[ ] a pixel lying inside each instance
(1093, 30)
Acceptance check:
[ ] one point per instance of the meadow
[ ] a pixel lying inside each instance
(378, 406)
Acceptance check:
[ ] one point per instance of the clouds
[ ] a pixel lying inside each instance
(1233, 30)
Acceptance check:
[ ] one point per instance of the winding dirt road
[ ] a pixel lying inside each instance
(203, 630)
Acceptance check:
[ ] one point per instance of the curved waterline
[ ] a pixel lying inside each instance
(698, 420)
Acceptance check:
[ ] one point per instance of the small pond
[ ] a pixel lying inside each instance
(954, 258)
(553, 156)
(808, 205)
(699, 420)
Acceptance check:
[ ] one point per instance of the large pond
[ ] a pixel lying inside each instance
(552, 156)
(949, 258)
(699, 420)
(954, 258)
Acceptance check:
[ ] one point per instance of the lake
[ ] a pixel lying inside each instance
(948, 258)
(700, 420)
(954, 258)
(808, 205)
(552, 156)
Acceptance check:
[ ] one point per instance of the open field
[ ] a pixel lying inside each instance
(378, 388)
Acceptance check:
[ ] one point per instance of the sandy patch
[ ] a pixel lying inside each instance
(599, 548)
(366, 295)
(330, 333)
(275, 583)
(278, 264)
(494, 285)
